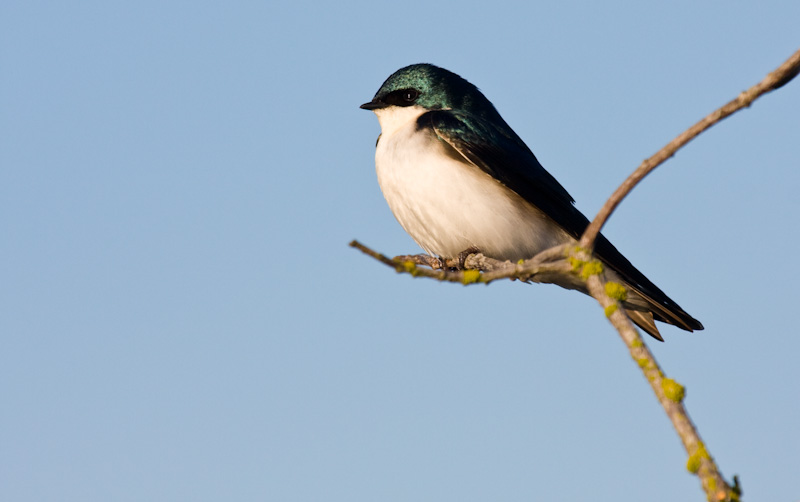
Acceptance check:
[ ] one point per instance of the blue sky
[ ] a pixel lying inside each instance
(182, 318)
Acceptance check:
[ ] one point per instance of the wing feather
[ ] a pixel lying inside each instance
(499, 152)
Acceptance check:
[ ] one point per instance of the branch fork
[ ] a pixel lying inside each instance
(571, 267)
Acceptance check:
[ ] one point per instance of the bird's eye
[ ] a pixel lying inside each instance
(402, 97)
(410, 95)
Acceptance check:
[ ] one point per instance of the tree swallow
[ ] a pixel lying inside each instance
(458, 178)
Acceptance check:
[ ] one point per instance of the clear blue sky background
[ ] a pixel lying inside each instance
(181, 317)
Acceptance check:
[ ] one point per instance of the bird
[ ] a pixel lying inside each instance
(459, 179)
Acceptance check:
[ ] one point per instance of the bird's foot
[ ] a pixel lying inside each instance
(462, 256)
(435, 263)
(422, 259)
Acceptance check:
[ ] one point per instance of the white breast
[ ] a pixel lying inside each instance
(448, 205)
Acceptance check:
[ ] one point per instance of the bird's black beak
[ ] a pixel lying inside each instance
(373, 105)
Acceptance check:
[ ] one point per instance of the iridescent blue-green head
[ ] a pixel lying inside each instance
(432, 88)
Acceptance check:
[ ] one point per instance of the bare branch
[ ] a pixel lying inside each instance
(570, 266)
(670, 395)
(545, 267)
(778, 78)
(573, 267)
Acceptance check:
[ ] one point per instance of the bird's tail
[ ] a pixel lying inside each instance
(644, 311)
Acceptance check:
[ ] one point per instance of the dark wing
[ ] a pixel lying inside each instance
(503, 155)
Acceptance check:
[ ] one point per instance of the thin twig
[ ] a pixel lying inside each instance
(778, 78)
(670, 395)
(567, 266)
(542, 268)
(562, 266)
